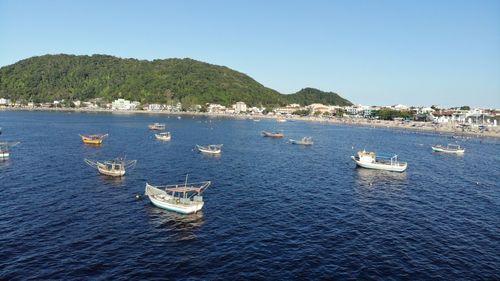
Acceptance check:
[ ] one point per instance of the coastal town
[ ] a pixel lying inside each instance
(462, 120)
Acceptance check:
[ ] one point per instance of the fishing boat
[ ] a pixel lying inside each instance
(113, 168)
(163, 136)
(303, 141)
(272, 134)
(450, 148)
(370, 160)
(210, 149)
(157, 126)
(4, 149)
(182, 198)
(93, 139)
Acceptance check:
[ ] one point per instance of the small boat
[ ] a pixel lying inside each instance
(182, 198)
(157, 126)
(113, 168)
(303, 141)
(163, 136)
(210, 149)
(281, 120)
(4, 149)
(272, 134)
(450, 148)
(370, 160)
(256, 120)
(93, 139)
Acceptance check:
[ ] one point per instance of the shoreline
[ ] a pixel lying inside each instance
(440, 129)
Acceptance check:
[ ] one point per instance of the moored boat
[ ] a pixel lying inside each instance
(303, 141)
(370, 160)
(163, 136)
(182, 198)
(450, 148)
(272, 134)
(114, 168)
(157, 126)
(4, 149)
(281, 120)
(210, 149)
(93, 139)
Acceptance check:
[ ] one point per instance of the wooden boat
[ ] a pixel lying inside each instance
(450, 148)
(163, 136)
(93, 139)
(272, 134)
(182, 198)
(369, 160)
(113, 168)
(210, 149)
(157, 126)
(4, 149)
(303, 141)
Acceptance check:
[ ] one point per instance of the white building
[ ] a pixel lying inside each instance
(121, 104)
(240, 107)
(215, 108)
(289, 109)
(400, 107)
(155, 107)
(4, 101)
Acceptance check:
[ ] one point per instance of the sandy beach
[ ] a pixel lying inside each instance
(428, 127)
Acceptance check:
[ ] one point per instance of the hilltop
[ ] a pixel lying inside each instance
(71, 77)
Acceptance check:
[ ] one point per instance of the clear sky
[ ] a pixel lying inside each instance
(371, 52)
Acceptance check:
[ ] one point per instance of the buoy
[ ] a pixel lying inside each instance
(137, 196)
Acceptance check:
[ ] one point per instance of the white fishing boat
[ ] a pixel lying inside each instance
(5, 149)
(157, 126)
(210, 149)
(114, 168)
(182, 198)
(303, 141)
(450, 148)
(370, 160)
(163, 136)
(272, 134)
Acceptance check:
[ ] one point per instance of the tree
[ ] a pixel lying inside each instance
(465, 107)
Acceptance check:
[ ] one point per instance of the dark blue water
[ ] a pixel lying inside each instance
(275, 211)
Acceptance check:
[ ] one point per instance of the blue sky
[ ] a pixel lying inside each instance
(371, 52)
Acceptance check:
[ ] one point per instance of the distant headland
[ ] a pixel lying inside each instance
(168, 81)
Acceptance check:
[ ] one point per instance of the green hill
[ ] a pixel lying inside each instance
(70, 77)
(307, 96)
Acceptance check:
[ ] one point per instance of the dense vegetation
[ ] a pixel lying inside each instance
(307, 96)
(390, 114)
(70, 77)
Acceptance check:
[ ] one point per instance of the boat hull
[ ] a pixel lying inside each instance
(179, 208)
(115, 173)
(380, 166)
(162, 138)
(88, 141)
(438, 149)
(4, 154)
(300, 142)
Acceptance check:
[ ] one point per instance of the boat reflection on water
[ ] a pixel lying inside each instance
(183, 226)
(368, 177)
(114, 181)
